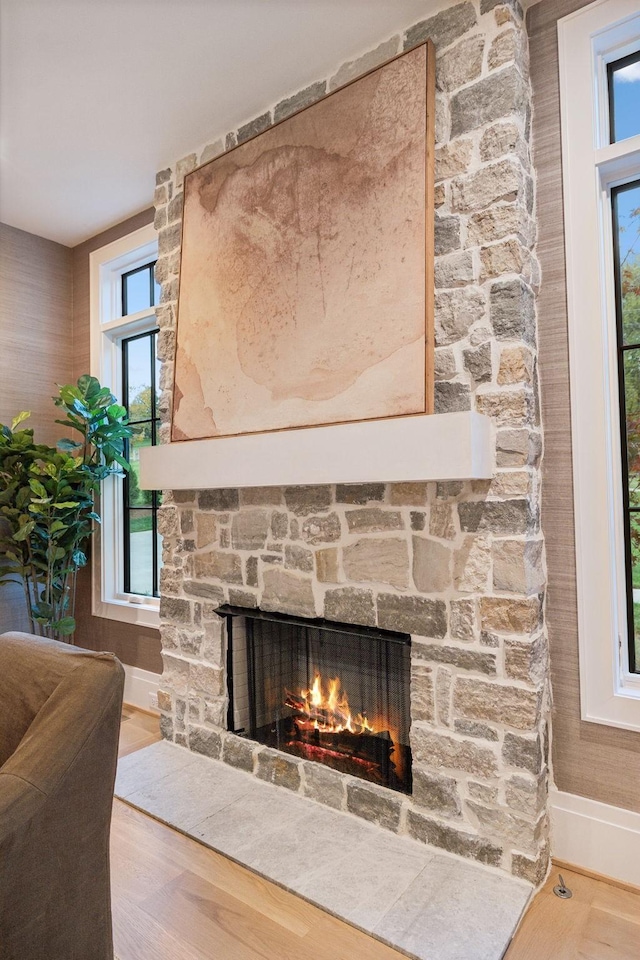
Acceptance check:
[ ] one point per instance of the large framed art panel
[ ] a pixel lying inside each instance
(306, 279)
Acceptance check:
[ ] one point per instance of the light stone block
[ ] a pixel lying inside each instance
(453, 159)
(450, 753)
(460, 64)
(288, 592)
(472, 565)
(518, 566)
(513, 706)
(431, 565)
(385, 560)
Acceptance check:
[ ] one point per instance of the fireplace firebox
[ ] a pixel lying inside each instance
(334, 693)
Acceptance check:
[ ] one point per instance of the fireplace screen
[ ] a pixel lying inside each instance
(333, 693)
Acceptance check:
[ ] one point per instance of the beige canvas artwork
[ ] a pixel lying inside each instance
(303, 286)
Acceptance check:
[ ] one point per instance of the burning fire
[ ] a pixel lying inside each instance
(327, 712)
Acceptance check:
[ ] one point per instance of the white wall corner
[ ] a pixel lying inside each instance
(595, 836)
(141, 687)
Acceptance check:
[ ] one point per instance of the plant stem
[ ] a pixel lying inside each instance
(32, 579)
(25, 584)
(72, 638)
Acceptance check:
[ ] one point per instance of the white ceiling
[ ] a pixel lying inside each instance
(96, 95)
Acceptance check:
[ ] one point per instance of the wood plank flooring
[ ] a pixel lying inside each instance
(137, 730)
(600, 922)
(174, 899)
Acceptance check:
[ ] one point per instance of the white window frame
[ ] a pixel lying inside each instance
(588, 40)
(108, 329)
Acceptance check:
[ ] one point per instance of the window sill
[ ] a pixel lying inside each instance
(129, 611)
(613, 701)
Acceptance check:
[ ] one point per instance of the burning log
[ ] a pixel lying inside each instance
(322, 715)
(325, 723)
(374, 747)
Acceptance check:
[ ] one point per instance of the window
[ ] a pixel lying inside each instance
(624, 116)
(625, 203)
(124, 357)
(599, 49)
(140, 507)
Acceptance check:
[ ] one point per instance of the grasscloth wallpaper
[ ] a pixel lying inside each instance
(588, 759)
(35, 349)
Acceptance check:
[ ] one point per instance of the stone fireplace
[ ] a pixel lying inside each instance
(455, 568)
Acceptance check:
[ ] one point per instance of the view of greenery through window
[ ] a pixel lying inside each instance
(624, 115)
(627, 218)
(142, 543)
(624, 90)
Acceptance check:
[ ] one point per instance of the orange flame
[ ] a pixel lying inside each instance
(329, 711)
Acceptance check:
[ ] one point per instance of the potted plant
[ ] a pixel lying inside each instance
(47, 500)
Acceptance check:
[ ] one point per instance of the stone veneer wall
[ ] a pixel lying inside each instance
(460, 566)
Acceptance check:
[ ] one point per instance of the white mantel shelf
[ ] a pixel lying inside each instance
(446, 446)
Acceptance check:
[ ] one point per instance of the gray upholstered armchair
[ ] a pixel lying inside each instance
(60, 710)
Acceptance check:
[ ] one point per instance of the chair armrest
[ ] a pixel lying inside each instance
(20, 802)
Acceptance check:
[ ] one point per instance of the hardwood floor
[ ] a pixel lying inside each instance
(174, 899)
(138, 730)
(600, 922)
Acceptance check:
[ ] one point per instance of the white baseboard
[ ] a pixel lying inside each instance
(595, 836)
(141, 687)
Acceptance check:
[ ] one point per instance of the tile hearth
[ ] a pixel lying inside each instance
(432, 906)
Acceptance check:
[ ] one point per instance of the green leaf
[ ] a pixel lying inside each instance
(55, 553)
(88, 385)
(43, 609)
(38, 489)
(24, 531)
(67, 444)
(81, 409)
(65, 626)
(22, 497)
(23, 415)
(121, 460)
(67, 505)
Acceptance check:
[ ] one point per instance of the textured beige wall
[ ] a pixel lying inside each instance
(35, 327)
(35, 349)
(588, 759)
